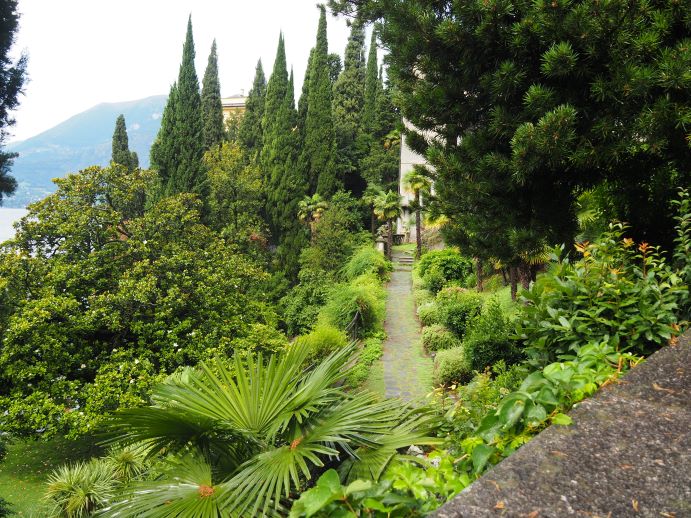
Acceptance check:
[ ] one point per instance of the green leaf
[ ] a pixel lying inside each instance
(480, 456)
(561, 419)
(371, 503)
(358, 485)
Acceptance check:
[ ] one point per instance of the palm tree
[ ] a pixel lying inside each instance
(369, 197)
(417, 181)
(310, 210)
(243, 441)
(387, 206)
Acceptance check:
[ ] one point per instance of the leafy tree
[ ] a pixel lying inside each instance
(241, 442)
(212, 109)
(236, 196)
(179, 147)
(12, 77)
(348, 98)
(284, 185)
(368, 118)
(531, 103)
(387, 206)
(317, 154)
(101, 298)
(250, 133)
(418, 182)
(121, 151)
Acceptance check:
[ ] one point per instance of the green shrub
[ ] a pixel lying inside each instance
(470, 281)
(434, 280)
(80, 489)
(488, 338)
(438, 338)
(127, 463)
(371, 352)
(452, 366)
(428, 314)
(5, 508)
(457, 308)
(620, 292)
(323, 340)
(493, 283)
(363, 296)
(451, 264)
(301, 306)
(367, 260)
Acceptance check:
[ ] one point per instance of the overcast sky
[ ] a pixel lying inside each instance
(85, 52)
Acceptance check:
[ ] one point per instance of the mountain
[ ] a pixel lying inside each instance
(81, 141)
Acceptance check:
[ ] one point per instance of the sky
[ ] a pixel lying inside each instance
(85, 52)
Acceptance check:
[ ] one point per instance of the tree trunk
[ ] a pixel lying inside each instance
(525, 275)
(513, 280)
(389, 239)
(418, 226)
(504, 277)
(478, 274)
(373, 225)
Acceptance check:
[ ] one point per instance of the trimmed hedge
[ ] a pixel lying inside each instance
(457, 308)
(438, 338)
(452, 366)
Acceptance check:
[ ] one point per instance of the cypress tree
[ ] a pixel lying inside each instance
(371, 86)
(120, 148)
(319, 146)
(212, 109)
(349, 93)
(189, 175)
(250, 133)
(163, 149)
(302, 103)
(283, 186)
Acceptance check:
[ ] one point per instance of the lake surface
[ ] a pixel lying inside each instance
(7, 217)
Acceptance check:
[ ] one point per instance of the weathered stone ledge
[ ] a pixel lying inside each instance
(627, 453)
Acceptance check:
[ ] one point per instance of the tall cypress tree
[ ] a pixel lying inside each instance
(121, 153)
(212, 109)
(250, 133)
(304, 99)
(319, 146)
(371, 85)
(349, 93)
(163, 149)
(179, 147)
(284, 186)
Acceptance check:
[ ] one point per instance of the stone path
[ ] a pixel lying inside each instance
(407, 371)
(627, 453)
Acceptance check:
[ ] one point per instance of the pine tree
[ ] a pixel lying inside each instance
(250, 134)
(318, 149)
(212, 109)
(283, 185)
(120, 148)
(349, 93)
(12, 77)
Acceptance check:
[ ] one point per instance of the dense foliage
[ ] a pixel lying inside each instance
(211, 107)
(121, 153)
(100, 296)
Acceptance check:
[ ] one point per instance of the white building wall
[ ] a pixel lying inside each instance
(409, 158)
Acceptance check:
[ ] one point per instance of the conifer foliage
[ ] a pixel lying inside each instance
(121, 153)
(317, 157)
(12, 77)
(251, 134)
(349, 93)
(212, 109)
(179, 147)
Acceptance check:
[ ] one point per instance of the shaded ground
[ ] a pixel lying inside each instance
(407, 371)
(627, 453)
(24, 471)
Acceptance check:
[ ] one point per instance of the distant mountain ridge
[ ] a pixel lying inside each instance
(81, 141)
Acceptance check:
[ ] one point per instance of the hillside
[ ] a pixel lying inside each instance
(81, 141)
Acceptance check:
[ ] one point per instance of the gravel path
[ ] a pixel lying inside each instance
(407, 370)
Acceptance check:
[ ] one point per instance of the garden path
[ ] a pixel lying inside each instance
(407, 370)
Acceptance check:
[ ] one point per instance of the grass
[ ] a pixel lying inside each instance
(405, 247)
(24, 471)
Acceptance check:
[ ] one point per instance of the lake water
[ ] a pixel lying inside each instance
(7, 217)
